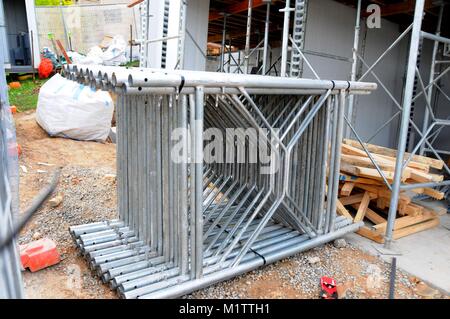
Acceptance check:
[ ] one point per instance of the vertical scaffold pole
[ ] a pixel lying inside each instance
(406, 110)
(351, 98)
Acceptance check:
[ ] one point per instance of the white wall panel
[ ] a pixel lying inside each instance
(197, 25)
(330, 30)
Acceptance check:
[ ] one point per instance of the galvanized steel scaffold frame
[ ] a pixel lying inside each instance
(431, 127)
(184, 225)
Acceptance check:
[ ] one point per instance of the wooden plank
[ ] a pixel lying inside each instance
(411, 164)
(371, 215)
(384, 192)
(133, 3)
(347, 188)
(433, 193)
(406, 221)
(366, 162)
(61, 47)
(360, 180)
(354, 199)
(423, 177)
(371, 234)
(364, 172)
(419, 190)
(393, 153)
(371, 188)
(351, 150)
(410, 209)
(358, 151)
(374, 217)
(341, 210)
(362, 207)
(415, 228)
(371, 172)
(382, 203)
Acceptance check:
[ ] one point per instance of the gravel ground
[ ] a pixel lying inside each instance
(298, 277)
(89, 195)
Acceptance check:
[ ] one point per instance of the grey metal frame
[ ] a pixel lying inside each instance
(183, 226)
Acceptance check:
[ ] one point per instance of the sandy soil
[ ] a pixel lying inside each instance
(38, 147)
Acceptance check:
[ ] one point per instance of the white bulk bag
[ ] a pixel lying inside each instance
(69, 109)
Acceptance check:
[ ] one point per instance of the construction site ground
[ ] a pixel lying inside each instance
(87, 186)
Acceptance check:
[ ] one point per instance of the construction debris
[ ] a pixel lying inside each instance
(340, 243)
(111, 51)
(39, 254)
(56, 201)
(37, 235)
(365, 196)
(328, 288)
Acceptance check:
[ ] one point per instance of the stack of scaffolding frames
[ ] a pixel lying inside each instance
(184, 225)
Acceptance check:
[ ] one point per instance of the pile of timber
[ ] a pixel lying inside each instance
(363, 195)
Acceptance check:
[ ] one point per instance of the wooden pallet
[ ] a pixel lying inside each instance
(363, 196)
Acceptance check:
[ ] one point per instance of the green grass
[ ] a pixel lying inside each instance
(25, 98)
(132, 64)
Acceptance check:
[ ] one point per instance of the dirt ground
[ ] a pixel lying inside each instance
(89, 195)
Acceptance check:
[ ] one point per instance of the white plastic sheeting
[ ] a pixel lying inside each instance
(115, 54)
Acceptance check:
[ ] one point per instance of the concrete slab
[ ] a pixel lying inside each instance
(425, 255)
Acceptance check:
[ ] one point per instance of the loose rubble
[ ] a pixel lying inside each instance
(340, 243)
(55, 201)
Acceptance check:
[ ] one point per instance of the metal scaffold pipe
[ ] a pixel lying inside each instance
(285, 40)
(247, 35)
(406, 108)
(266, 40)
(351, 99)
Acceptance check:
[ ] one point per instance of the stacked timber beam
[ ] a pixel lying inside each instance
(363, 195)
